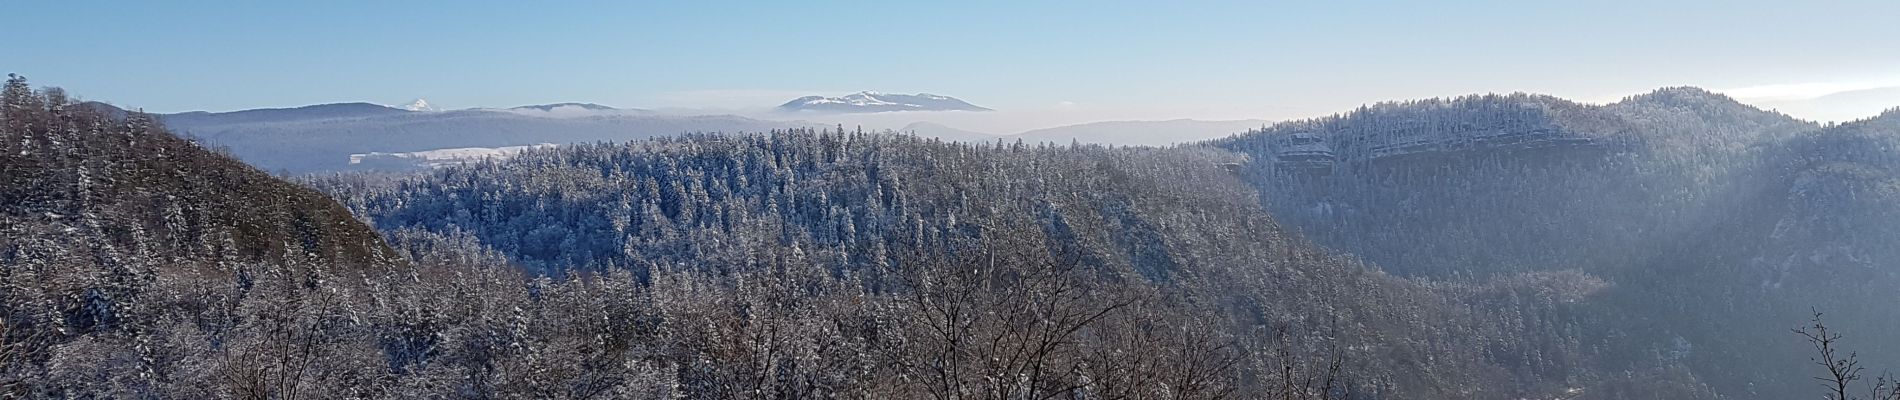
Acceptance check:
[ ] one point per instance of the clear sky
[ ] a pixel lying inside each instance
(1254, 59)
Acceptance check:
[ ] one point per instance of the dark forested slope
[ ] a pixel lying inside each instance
(124, 188)
(1455, 187)
(130, 254)
(1700, 212)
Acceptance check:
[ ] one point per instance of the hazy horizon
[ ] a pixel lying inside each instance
(1108, 62)
(1815, 102)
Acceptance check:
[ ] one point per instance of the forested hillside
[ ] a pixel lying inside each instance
(124, 187)
(1717, 225)
(129, 253)
(795, 264)
(865, 213)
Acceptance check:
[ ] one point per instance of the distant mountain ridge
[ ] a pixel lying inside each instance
(1125, 133)
(319, 111)
(1841, 106)
(324, 137)
(870, 101)
(1142, 133)
(552, 107)
(946, 132)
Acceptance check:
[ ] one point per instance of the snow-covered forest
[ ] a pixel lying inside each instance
(1484, 247)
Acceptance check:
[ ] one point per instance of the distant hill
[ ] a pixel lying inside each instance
(1741, 220)
(1125, 133)
(868, 102)
(1843, 106)
(552, 107)
(279, 115)
(945, 132)
(1522, 155)
(1142, 133)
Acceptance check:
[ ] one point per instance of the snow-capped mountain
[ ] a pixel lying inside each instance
(419, 105)
(869, 101)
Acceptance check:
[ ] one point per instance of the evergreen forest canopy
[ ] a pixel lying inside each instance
(1483, 247)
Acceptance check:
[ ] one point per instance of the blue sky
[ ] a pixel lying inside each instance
(1184, 58)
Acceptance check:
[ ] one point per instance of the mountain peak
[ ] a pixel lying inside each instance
(419, 105)
(1685, 97)
(1686, 90)
(1705, 105)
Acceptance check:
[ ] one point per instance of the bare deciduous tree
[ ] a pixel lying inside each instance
(1842, 370)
